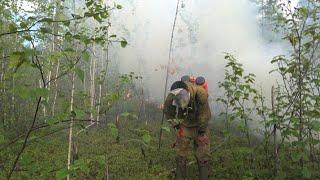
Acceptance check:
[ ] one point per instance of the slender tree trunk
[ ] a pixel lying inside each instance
(2, 90)
(118, 127)
(71, 124)
(92, 85)
(247, 131)
(106, 72)
(56, 88)
(47, 98)
(141, 105)
(13, 89)
(13, 102)
(102, 78)
(99, 102)
(167, 73)
(71, 110)
(227, 116)
(54, 41)
(275, 145)
(43, 99)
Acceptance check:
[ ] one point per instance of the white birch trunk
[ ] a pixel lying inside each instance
(71, 125)
(99, 102)
(92, 86)
(102, 79)
(56, 89)
(71, 110)
(54, 41)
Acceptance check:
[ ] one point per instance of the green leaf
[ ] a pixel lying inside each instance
(12, 27)
(26, 159)
(113, 129)
(119, 6)
(113, 36)
(125, 114)
(48, 20)
(57, 118)
(68, 35)
(15, 59)
(146, 138)
(77, 36)
(61, 174)
(27, 37)
(66, 23)
(26, 93)
(306, 173)
(124, 43)
(303, 11)
(45, 30)
(23, 25)
(80, 113)
(104, 15)
(89, 3)
(31, 18)
(80, 73)
(69, 49)
(97, 18)
(165, 128)
(43, 92)
(296, 156)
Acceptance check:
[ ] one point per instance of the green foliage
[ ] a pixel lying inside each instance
(17, 59)
(123, 43)
(129, 115)
(61, 174)
(53, 41)
(297, 106)
(113, 129)
(2, 137)
(80, 73)
(166, 129)
(31, 93)
(57, 118)
(146, 138)
(240, 95)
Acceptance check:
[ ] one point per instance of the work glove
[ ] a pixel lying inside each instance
(203, 139)
(180, 132)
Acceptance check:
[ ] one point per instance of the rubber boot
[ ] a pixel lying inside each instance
(203, 170)
(181, 172)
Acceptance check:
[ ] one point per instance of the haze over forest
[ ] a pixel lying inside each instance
(83, 83)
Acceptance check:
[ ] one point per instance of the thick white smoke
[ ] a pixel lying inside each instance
(205, 30)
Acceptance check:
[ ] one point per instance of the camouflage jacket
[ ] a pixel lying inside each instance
(197, 115)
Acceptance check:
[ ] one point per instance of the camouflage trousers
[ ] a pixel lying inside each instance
(189, 135)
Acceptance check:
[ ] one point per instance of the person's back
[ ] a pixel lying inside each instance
(193, 126)
(198, 111)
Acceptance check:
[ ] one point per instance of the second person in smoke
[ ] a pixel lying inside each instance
(187, 108)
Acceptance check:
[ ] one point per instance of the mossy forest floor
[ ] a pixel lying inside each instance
(99, 154)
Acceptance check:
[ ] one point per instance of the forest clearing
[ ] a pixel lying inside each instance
(159, 89)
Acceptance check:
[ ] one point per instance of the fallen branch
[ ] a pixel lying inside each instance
(16, 139)
(91, 124)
